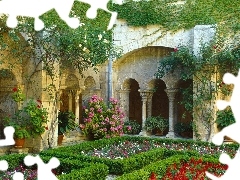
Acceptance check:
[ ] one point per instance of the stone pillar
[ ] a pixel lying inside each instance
(77, 93)
(149, 105)
(145, 95)
(124, 100)
(59, 94)
(171, 97)
(70, 100)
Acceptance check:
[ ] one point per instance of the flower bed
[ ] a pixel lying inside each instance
(176, 167)
(130, 147)
(194, 169)
(99, 151)
(68, 169)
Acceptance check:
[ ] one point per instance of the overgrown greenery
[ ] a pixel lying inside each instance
(180, 14)
(55, 48)
(206, 70)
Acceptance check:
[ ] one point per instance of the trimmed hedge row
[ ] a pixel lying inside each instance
(160, 167)
(74, 169)
(116, 166)
(134, 162)
(90, 145)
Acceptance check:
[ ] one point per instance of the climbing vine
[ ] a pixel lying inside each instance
(206, 70)
(174, 15)
(52, 50)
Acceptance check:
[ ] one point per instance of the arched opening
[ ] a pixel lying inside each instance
(160, 103)
(160, 100)
(7, 105)
(184, 115)
(68, 94)
(135, 103)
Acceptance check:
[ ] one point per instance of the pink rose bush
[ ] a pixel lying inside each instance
(102, 121)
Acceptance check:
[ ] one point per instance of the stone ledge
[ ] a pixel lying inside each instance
(19, 151)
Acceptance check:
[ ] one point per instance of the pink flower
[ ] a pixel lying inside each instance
(175, 49)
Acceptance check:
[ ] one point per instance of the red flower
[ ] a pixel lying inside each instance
(46, 128)
(38, 106)
(15, 89)
(215, 47)
(175, 49)
(153, 176)
(39, 101)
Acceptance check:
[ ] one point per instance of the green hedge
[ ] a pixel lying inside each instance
(160, 167)
(95, 171)
(116, 166)
(134, 162)
(74, 169)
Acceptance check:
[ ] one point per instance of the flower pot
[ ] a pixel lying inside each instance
(60, 139)
(19, 143)
(159, 132)
(186, 134)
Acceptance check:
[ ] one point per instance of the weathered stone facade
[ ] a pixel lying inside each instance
(141, 95)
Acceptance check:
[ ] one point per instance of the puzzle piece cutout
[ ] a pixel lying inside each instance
(3, 165)
(231, 130)
(101, 4)
(233, 167)
(44, 170)
(36, 8)
(8, 132)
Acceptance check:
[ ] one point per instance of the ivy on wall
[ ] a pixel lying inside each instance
(206, 71)
(179, 14)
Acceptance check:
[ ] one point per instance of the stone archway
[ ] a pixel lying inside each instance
(183, 115)
(159, 99)
(7, 105)
(90, 86)
(70, 97)
(135, 103)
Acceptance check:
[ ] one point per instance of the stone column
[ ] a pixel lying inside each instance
(145, 95)
(124, 100)
(77, 93)
(70, 100)
(59, 94)
(149, 104)
(171, 97)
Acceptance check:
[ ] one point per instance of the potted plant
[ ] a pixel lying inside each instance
(161, 125)
(29, 120)
(66, 123)
(131, 127)
(150, 124)
(20, 133)
(183, 129)
(158, 124)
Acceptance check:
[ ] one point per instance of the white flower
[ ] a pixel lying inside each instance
(80, 45)
(105, 41)
(86, 50)
(99, 37)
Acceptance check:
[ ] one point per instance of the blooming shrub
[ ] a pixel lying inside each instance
(102, 121)
(30, 119)
(194, 169)
(29, 174)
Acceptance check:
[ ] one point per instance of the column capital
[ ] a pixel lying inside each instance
(171, 93)
(145, 94)
(124, 90)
